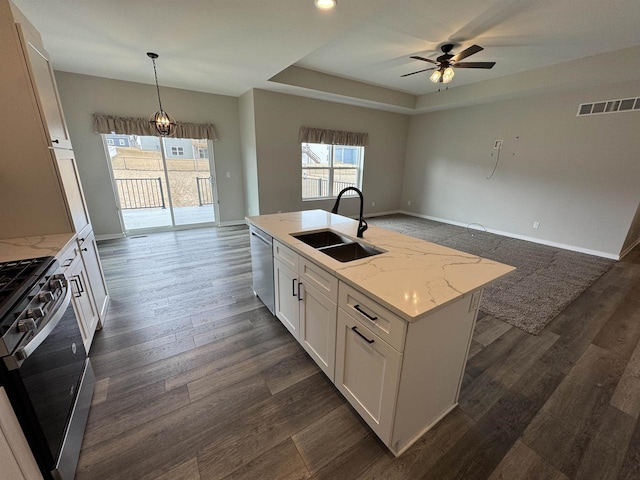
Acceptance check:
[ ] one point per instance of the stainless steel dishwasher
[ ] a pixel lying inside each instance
(262, 266)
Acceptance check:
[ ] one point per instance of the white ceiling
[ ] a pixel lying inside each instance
(231, 46)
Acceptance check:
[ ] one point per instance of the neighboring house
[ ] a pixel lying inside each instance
(117, 140)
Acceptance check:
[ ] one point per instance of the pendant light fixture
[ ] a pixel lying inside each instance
(161, 121)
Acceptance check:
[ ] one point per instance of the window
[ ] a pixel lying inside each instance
(327, 169)
(121, 141)
(177, 151)
(203, 152)
(110, 141)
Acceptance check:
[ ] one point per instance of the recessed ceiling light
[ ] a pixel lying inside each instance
(325, 4)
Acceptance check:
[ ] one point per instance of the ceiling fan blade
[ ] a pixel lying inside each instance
(474, 65)
(426, 60)
(419, 71)
(466, 53)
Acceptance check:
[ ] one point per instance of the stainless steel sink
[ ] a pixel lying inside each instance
(322, 238)
(347, 252)
(338, 247)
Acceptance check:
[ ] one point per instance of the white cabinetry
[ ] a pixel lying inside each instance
(16, 459)
(93, 267)
(82, 298)
(40, 180)
(367, 373)
(401, 376)
(306, 304)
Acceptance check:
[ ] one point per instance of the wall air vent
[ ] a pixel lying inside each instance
(609, 106)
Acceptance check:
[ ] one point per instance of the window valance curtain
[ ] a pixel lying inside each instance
(140, 126)
(333, 137)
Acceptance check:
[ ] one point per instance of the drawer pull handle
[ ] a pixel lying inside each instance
(357, 307)
(293, 287)
(355, 329)
(299, 296)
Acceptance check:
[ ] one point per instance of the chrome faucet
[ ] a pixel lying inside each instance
(362, 225)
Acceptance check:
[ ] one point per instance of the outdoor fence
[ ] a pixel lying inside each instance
(316, 187)
(140, 192)
(204, 190)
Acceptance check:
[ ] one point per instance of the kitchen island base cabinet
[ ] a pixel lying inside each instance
(317, 328)
(367, 373)
(306, 298)
(286, 293)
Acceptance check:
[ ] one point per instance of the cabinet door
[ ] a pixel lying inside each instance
(318, 328)
(91, 259)
(83, 301)
(72, 189)
(44, 84)
(16, 459)
(367, 373)
(286, 293)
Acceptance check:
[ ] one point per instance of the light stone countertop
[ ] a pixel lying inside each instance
(413, 278)
(32, 247)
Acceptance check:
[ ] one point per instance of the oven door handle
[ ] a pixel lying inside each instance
(25, 352)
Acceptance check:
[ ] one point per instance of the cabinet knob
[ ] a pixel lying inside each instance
(55, 141)
(85, 249)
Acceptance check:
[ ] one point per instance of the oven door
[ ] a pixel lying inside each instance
(53, 378)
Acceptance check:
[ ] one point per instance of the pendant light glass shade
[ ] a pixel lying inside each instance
(163, 123)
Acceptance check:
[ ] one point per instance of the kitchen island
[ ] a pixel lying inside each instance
(391, 331)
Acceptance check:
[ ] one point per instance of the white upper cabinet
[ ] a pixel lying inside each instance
(44, 84)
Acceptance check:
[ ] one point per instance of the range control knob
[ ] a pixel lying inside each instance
(27, 324)
(57, 284)
(45, 297)
(34, 313)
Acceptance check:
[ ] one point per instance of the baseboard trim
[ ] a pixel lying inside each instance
(111, 236)
(380, 214)
(631, 247)
(474, 226)
(232, 223)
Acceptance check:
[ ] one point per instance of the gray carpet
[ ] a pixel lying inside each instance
(547, 279)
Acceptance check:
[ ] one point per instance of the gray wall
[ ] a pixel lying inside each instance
(578, 177)
(278, 118)
(249, 158)
(634, 232)
(84, 95)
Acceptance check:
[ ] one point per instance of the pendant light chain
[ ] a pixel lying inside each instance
(155, 72)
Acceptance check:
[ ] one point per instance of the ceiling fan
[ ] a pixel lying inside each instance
(444, 63)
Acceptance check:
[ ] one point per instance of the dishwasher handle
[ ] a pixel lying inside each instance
(260, 237)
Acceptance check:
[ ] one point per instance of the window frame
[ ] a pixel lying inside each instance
(359, 167)
(179, 151)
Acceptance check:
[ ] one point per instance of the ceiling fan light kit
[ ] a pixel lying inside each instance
(161, 121)
(325, 4)
(445, 63)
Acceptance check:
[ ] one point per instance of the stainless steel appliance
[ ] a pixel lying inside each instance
(43, 364)
(262, 265)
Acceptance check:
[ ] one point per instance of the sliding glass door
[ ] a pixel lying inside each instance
(162, 183)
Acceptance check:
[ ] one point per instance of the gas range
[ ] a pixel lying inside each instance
(29, 289)
(44, 367)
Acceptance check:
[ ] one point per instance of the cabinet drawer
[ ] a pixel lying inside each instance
(388, 326)
(287, 256)
(67, 256)
(324, 282)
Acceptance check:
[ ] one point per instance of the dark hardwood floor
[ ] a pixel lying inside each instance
(196, 380)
